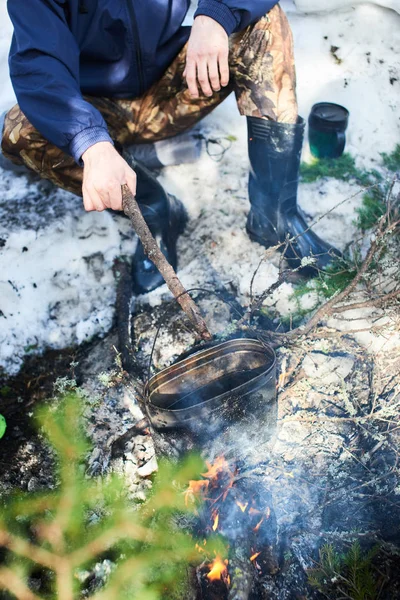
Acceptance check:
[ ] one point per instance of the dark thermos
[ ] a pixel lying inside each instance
(327, 126)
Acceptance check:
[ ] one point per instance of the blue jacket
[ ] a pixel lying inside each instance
(62, 49)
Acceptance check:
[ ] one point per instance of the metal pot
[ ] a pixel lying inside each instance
(231, 382)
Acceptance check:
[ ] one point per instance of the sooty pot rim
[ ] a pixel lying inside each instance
(176, 373)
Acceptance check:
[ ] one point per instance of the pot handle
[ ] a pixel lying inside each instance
(165, 312)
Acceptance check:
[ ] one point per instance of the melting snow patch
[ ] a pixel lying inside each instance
(56, 281)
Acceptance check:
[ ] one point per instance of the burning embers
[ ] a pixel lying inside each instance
(231, 505)
(218, 570)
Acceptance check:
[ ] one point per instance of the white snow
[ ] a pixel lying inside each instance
(309, 6)
(70, 253)
(56, 284)
(367, 81)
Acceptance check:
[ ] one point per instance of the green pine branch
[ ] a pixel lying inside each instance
(53, 532)
(351, 575)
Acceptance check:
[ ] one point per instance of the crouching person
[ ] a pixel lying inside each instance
(93, 77)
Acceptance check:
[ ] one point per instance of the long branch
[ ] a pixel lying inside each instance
(132, 210)
(106, 540)
(329, 307)
(14, 584)
(64, 580)
(368, 303)
(23, 548)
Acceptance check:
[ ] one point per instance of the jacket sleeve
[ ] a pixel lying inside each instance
(44, 69)
(234, 15)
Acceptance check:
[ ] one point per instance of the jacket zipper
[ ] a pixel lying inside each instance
(136, 41)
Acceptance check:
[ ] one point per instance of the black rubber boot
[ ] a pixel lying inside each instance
(275, 153)
(166, 218)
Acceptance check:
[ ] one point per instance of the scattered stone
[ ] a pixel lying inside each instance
(33, 484)
(149, 468)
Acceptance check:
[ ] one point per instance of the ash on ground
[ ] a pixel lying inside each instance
(332, 470)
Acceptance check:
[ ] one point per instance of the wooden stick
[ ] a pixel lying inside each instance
(132, 210)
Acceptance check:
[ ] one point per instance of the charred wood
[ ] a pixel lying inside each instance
(241, 570)
(123, 309)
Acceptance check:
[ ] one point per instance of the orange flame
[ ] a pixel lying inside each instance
(217, 467)
(218, 569)
(195, 490)
(254, 511)
(257, 527)
(242, 506)
(216, 521)
(254, 556)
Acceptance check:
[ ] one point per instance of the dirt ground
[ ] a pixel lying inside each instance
(333, 470)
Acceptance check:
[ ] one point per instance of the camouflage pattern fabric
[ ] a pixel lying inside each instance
(262, 77)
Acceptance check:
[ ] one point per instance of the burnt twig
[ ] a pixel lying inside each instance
(372, 302)
(123, 305)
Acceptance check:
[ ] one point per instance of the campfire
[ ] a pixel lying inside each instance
(217, 401)
(224, 391)
(229, 505)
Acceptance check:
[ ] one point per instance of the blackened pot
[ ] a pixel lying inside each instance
(231, 382)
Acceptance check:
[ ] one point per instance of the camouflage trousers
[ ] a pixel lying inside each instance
(262, 75)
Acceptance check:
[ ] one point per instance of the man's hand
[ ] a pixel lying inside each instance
(207, 57)
(105, 171)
